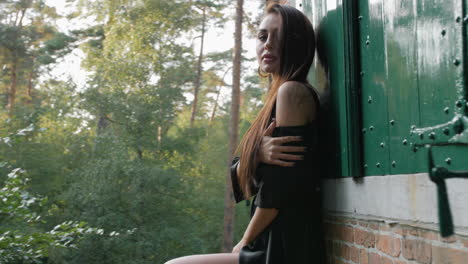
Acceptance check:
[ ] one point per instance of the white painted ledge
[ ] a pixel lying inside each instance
(411, 197)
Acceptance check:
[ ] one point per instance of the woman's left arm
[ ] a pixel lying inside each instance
(288, 111)
(274, 191)
(260, 220)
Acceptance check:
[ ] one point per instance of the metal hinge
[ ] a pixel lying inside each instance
(430, 137)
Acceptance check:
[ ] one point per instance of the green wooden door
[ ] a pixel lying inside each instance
(411, 57)
(396, 79)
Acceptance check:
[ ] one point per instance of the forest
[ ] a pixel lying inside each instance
(127, 163)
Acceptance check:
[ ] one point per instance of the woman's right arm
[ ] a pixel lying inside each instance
(237, 191)
(270, 152)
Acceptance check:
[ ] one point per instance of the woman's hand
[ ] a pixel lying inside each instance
(271, 149)
(239, 246)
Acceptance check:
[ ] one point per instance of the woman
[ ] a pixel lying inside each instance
(284, 226)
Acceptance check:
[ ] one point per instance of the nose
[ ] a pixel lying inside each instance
(268, 45)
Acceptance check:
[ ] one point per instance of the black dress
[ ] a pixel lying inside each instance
(294, 236)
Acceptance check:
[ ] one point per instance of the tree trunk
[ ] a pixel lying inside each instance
(233, 131)
(30, 87)
(12, 90)
(140, 153)
(215, 105)
(199, 72)
(102, 124)
(159, 135)
(218, 94)
(14, 69)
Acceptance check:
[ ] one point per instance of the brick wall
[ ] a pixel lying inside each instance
(349, 240)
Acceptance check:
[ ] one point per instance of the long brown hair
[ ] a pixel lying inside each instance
(297, 53)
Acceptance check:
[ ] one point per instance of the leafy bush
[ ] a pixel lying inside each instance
(20, 240)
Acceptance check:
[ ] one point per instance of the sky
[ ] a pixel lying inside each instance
(216, 40)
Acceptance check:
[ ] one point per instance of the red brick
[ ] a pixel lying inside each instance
(399, 262)
(430, 235)
(362, 223)
(389, 245)
(449, 255)
(345, 233)
(385, 260)
(363, 256)
(424, 252)
(345, 251)
(351, 222)
(414, 232)
(405, 231)
(384, 227)
(417, 250)
(374, 258)
(465, 242)
(374, 226)
(398, 231)
(339, 261)
(364, 238)
(354, 254)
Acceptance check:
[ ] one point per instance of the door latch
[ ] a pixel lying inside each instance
(438, 175)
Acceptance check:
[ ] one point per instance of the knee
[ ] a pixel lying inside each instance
(174, 261)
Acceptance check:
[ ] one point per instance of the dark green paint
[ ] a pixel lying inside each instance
(374, 85)
(402, 79)
(352, 89)
(412, 60)
(340, 144)
(400, 65)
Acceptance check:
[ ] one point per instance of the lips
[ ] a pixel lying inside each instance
(268, 58)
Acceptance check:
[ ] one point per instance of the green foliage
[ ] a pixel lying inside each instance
(119, 153)
(29, 45)
(15, 201)
(55, 47)
(20, 240)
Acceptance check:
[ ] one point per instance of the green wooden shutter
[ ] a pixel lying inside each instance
(340, 138)
(411, 56)
(396, 72)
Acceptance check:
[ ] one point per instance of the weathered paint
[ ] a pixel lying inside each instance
(374, 85)
(340, 147)
(411, 59)
(411, 53)
(405, 197)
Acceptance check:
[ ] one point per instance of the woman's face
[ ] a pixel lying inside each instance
(268, 43)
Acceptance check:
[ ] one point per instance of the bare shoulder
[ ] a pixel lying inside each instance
(295, 104)
(293, 90)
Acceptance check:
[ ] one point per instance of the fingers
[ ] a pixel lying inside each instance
(287, 139)
(290, 156)
(291, 149)
(281, 160)
(270, 128)
(283, 163)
